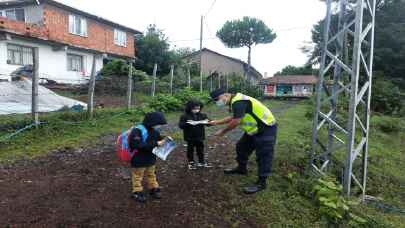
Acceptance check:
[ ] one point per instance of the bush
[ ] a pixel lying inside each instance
(119, 68)
(165, 103)
(386, 96)
(387, 124)
(187, 94)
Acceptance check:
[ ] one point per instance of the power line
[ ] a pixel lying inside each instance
(211, 7)
(213, 38)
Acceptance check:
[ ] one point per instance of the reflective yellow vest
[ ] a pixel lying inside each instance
(248, 122)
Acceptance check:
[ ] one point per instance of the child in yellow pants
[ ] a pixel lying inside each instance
(142, 140)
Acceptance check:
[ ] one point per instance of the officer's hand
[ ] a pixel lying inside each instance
(212, 122)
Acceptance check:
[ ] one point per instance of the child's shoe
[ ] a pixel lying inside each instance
(139, 196)
(192, 166)
(155, 193)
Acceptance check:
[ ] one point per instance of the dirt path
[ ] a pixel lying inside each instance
(86, 188)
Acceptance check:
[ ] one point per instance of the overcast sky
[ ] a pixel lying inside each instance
(292, 20)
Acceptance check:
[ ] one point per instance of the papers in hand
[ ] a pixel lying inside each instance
(164, 150)
(200, 122)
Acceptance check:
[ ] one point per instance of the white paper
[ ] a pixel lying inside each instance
(200, 122)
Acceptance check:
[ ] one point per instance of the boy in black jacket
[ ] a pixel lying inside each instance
(144, 139)
(194, 135)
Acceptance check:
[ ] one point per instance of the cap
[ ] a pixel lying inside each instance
(216, 93)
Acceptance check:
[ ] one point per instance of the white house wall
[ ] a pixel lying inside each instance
(52, 64)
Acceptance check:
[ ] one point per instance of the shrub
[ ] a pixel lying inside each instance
(165, 103)
(187, 94)
(387, 124)
(386, 96)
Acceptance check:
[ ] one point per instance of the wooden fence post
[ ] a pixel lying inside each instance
(154, 80)
(92, 84)
(130, 82)
(35, 81)
(171, 79)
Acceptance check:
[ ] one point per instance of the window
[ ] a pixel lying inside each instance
(75, 62)
(19, 55)
(14, 14)
(120, 38)
(77, 25)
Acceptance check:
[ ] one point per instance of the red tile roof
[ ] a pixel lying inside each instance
(291, 79)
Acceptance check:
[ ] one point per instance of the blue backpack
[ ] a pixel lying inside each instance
(124, 152)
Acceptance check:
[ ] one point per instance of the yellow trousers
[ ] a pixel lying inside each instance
(137, 177)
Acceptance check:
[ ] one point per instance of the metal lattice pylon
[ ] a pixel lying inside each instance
(341, 120)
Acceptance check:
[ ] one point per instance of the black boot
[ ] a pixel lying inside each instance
(236, 171)
(155, 193)
(260, 185)
(139, 196)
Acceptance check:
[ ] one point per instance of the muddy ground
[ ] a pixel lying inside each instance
(88, 187)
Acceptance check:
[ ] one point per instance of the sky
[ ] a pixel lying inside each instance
(292, 20)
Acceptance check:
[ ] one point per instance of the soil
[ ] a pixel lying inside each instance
(88, 187)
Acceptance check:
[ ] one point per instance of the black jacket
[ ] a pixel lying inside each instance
(144, 157)
(190, 132)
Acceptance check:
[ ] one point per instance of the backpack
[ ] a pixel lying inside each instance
(124, 152)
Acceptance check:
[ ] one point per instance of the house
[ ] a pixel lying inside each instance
(66, 39)
(214, 63)
(289, 85)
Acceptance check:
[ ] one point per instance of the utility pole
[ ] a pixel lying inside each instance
(154, 80)
(171, 79)
(35, 78)
(201, 58)
(92, 84)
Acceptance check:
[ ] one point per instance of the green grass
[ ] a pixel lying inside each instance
(287, 202)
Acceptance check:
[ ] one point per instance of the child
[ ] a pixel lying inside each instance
(143, 139)
(194, 135)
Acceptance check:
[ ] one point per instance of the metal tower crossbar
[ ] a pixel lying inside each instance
(342, 117)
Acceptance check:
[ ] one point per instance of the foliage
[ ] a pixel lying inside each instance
(332, 204)
(165, 103)
(293, 70)
(245, 33)
(120, 68)
(386, 96)
(153, 47)
(389, 51)
(387, 124)
(187, 94)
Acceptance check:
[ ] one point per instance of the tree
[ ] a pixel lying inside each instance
(245, 33)
(293, 70)
(151, 48)
(389, 50)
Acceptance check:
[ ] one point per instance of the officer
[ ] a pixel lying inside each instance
(260, 131)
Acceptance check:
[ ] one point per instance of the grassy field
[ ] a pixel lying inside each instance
(286, 203)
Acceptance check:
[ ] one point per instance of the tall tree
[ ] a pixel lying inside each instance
(245, 32)
(153, 47)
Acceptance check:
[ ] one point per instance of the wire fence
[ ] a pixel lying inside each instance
(27, 101)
